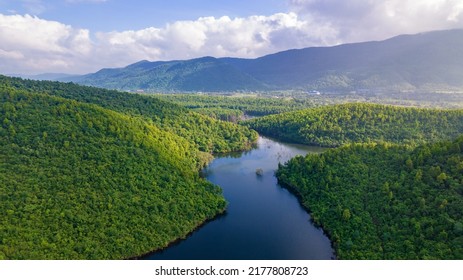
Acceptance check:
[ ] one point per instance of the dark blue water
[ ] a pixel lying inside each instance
(263, 220)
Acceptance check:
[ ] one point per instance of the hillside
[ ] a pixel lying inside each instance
(201, 74)
(236, 106)
(209, 135)
(81, 182)
(380, 201)
(337, 125)
(425, 62)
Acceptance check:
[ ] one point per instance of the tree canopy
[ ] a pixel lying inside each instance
(333, 126)
(96, 174)
(208, 134)
(383, 201)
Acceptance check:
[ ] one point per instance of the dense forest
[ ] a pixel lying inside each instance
(392, 191)
(207, 133)
(89, 173)
(337, 125)
(385, 201)
(247, 105)
(79, 181)
(205, 74)
(235, 107)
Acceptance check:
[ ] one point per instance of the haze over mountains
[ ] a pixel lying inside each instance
(422, 62)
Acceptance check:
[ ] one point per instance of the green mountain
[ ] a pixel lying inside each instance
(380, 201)
(209, 135)
(44, 76)
(88, 173)
(202, 74)
(409, 62)
(423, 62)
(396, 195)
(336, 125)
(82, 182)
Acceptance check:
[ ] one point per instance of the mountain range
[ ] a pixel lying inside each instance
(421, 62)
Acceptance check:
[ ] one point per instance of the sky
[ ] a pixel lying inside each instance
(83, 36)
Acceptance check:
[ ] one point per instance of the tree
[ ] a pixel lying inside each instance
(346, 214)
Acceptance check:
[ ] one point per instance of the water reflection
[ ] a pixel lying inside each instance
(263, 220)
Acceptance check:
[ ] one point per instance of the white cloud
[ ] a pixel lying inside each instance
(32, 45)
(360, 20)
(50, 46)
(11, 54)
(244, 37)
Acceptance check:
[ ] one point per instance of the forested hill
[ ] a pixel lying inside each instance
(425, 62)
(359, 122)
(88, 173)
(381, 201)
(81, 182)
(208, 134)
(206, 74)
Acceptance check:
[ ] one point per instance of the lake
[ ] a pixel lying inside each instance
(263, 221)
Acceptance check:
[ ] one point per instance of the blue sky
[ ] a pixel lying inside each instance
(81, 36)
(110, 15)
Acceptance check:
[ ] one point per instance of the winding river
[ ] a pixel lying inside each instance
(263, 220)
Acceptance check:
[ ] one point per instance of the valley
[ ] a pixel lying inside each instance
(259, 213)
(80, 181)
(344, 152)
(89, 173)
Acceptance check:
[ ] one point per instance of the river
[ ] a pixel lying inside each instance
(263, 220)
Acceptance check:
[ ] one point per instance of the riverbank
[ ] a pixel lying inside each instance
(262, 220)
(315, 222)
(180, 239)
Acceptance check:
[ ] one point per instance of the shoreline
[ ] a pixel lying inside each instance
(178, 240)
(223, 213)
(299, 197)
(251, 145)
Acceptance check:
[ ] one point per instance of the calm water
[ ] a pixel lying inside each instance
(263, 220)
